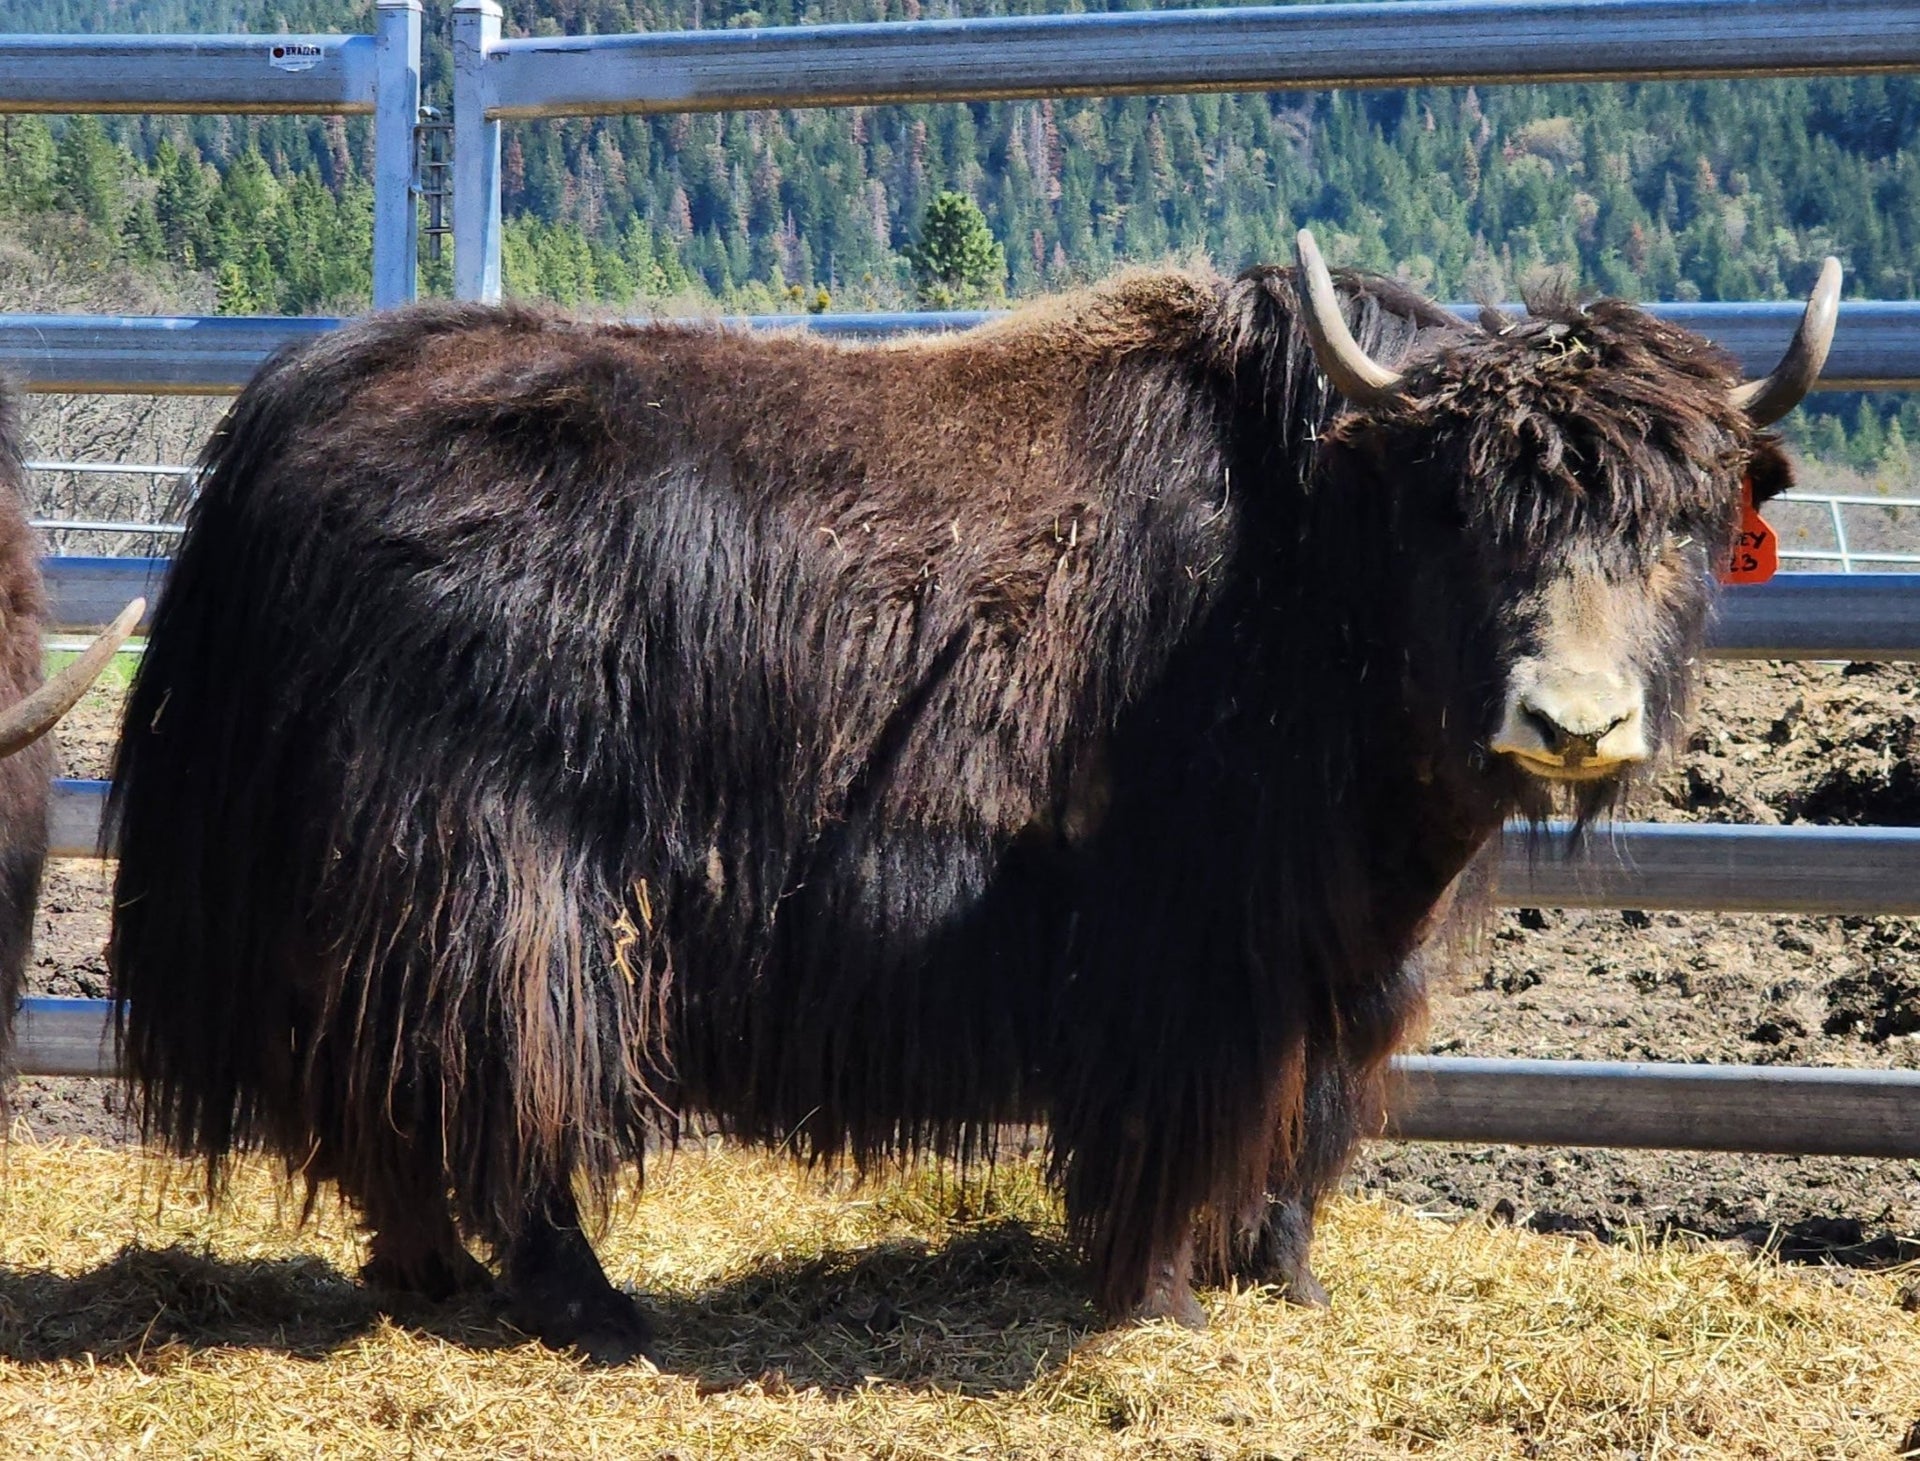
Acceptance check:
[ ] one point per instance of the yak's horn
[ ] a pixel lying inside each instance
(33, 717)
(1768, 399)
(1351, 370)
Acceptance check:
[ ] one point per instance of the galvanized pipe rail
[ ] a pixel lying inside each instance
(1876, 346)
(1256, 48)
(1671, 866)
(189, 74)
(195, 74)
(1778, 1109)
(1865, 616)
(1741, 1108)
(1242, 48)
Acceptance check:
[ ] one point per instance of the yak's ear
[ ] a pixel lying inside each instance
(1768, 469)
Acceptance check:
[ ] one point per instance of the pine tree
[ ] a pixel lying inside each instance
(87, 173)
(141, 232)
(956, 262)
(233, 291)
(27, 161)
(180, 198)
(1895, 468)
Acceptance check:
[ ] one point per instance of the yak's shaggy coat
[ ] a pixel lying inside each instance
(552, 729)
(24, 776)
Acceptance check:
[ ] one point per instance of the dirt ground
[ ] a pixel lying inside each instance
(1776, 743)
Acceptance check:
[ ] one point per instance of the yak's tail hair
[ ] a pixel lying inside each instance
(23, 775)
(386, 966)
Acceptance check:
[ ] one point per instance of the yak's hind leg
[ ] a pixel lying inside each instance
(558, 1292)
(399, 1186)
(416, 1249)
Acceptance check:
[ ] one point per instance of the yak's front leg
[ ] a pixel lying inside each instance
(559, 1293)
(1272, 1242)
(1169, 1289)
(1139, 1236)
(1343, 1103)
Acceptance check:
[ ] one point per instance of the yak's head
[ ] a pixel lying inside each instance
(1562, 492)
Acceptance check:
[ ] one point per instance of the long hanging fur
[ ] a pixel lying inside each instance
(23, 775)
(553, 729)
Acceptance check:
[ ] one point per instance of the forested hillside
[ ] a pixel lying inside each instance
(1681, 191)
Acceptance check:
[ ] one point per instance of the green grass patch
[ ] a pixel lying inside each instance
(113, 680)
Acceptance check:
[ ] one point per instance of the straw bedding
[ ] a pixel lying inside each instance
(931, 1314)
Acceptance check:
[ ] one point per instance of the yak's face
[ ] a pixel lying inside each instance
(1561, 499)
(1588, 616)
(1556, 498)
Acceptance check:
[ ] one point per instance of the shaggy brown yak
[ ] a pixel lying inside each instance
(553, 730)
(30, 710)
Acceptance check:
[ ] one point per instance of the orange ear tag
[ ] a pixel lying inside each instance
(1756, 552)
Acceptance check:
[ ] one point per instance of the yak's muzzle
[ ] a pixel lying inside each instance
(1572, 725)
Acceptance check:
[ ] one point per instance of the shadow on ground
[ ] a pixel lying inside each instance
(982, 1314)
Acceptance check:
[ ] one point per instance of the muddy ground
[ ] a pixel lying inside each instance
(1777, 743)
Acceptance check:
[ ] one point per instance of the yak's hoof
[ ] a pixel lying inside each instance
(436, 1277)
(1302, 1288)
(605, 1328)
(1173, 1301)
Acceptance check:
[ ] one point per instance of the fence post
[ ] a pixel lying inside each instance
(396, 108)
(476, 154)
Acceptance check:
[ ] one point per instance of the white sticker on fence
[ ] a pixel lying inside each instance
(294, 56)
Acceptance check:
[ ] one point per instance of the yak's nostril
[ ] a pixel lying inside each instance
(1559, 738)
(1553, 735)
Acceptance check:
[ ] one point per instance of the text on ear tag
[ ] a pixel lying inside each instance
(1756, 552)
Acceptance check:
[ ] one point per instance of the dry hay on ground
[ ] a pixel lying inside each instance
(917, 1316)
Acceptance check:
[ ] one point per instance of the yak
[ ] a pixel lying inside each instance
(558, 731)
(31, 710)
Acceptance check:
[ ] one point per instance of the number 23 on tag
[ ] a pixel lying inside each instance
(1756, 552)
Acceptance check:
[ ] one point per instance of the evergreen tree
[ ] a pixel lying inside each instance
(27, 162)
(180, 198)
(87, 173)
(956, 261)
(233, 291)
(142, 234)
(1895, 468)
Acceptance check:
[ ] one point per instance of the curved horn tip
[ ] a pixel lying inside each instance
(1823, 303)
(1768, 399)
(1348, 368)
(29, 719)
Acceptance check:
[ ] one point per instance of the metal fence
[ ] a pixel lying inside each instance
(1886, 535)
(1254, 48)
(1833, 508)
(1696, 866)
(327, 74)
(1876, 347)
